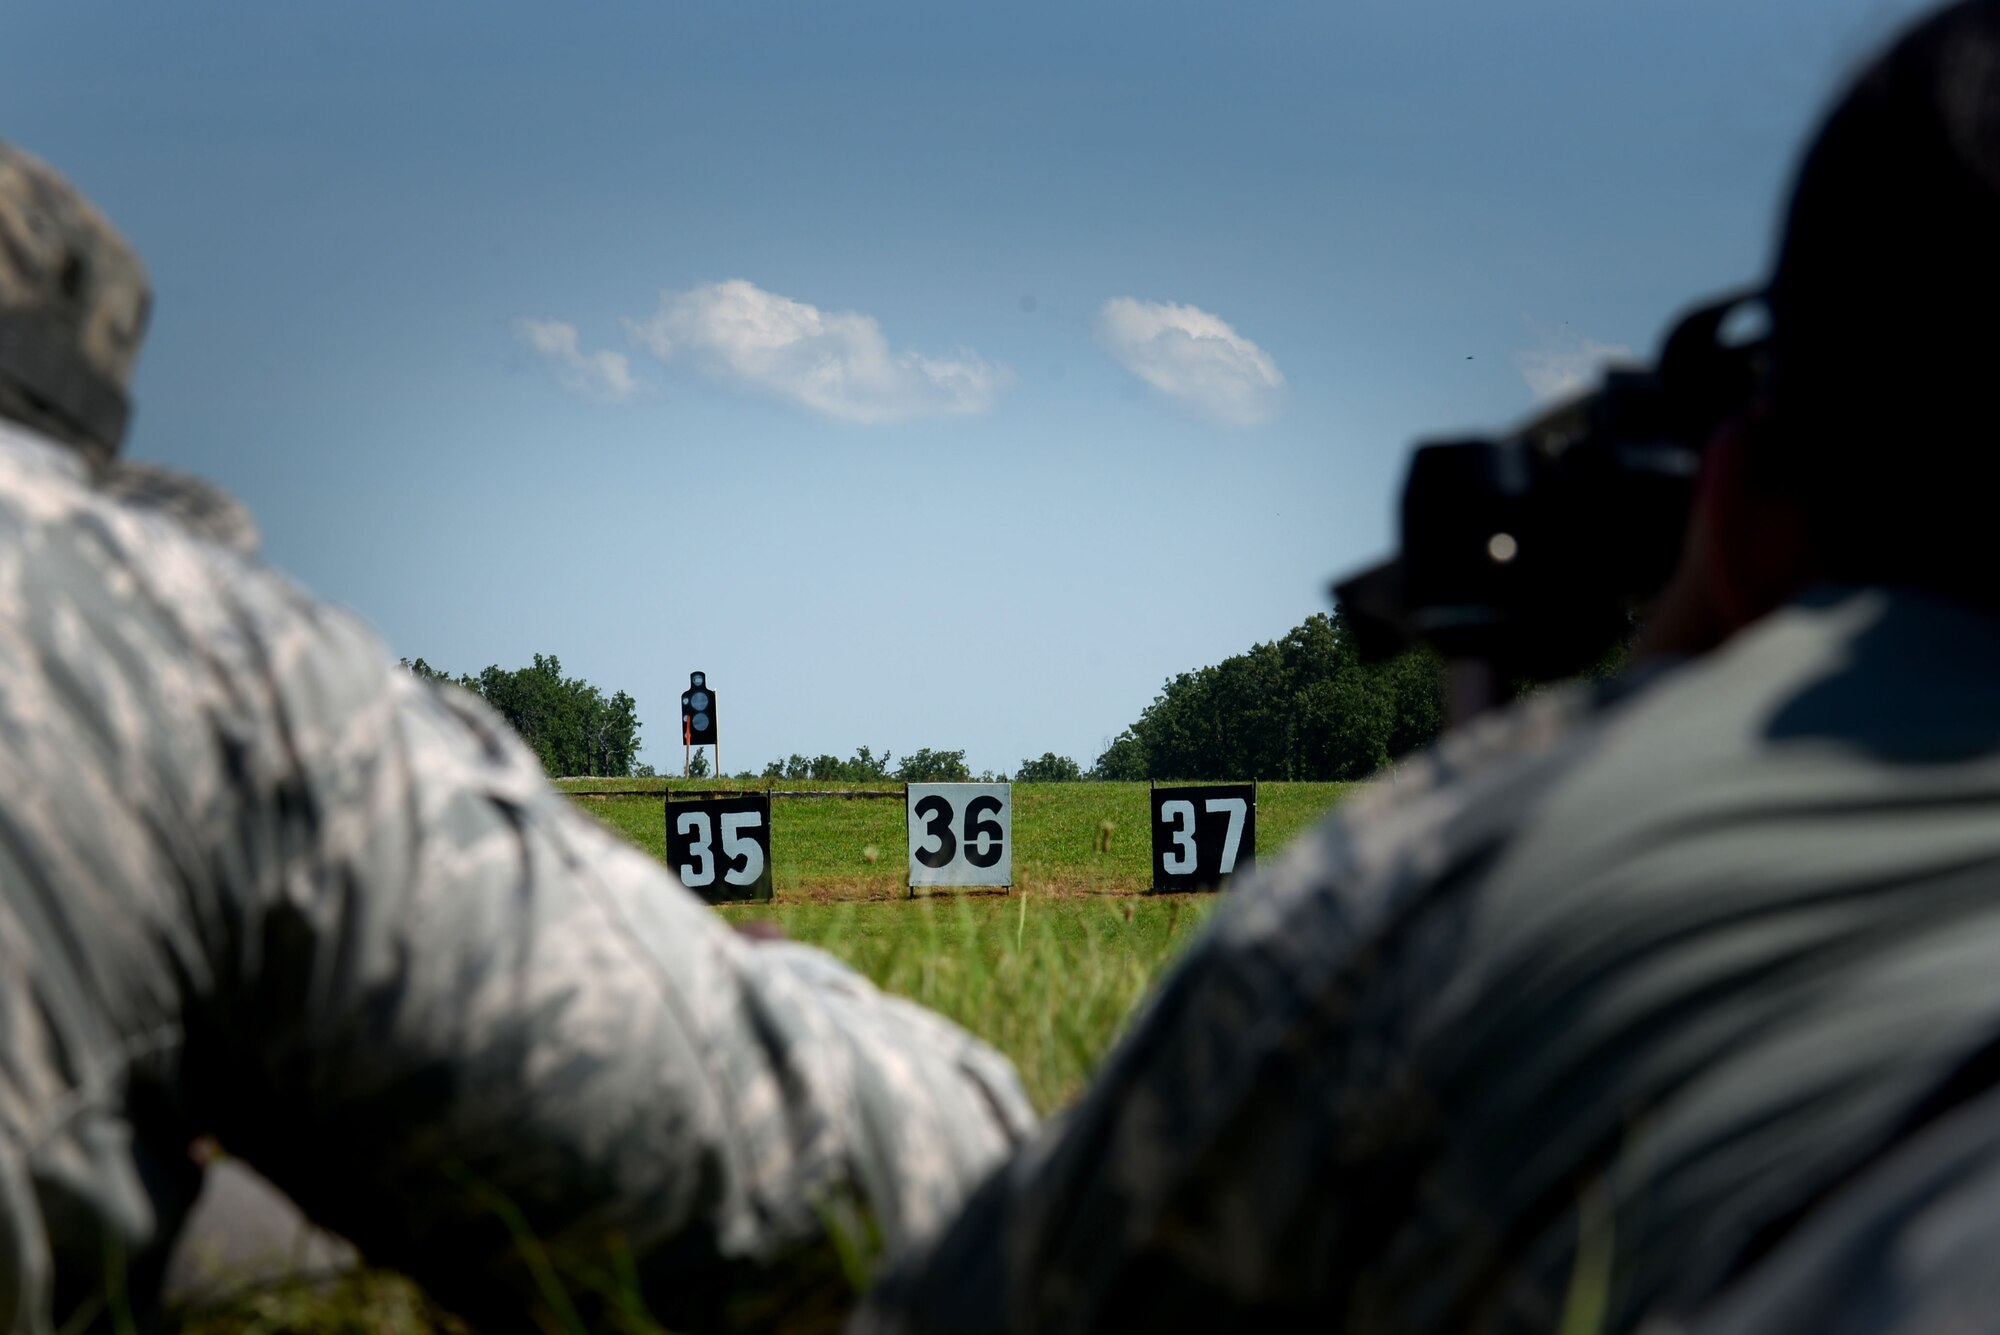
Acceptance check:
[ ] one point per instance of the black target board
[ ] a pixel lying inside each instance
(720, 847)
(1203, 835)
(698, 712)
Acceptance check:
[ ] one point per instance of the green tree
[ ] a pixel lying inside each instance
(928, 766)
(864, 766)
(1051, 768)
(1300, 707)
(1124, 759)
(867, 766)
(570, 725)
(427, 672)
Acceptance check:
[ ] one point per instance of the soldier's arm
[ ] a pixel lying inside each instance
(457, 1020)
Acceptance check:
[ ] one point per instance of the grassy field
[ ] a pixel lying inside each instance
(1047, 981)
(819, 845)
(1048, 973)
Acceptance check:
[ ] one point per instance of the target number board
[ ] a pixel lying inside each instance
(720, 847)
(960, 833)
(1203, 835)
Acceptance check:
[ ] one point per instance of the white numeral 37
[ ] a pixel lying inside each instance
(1180, 859)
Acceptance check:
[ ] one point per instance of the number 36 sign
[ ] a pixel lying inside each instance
(1203, 836)
(960, 833)
(720, 847)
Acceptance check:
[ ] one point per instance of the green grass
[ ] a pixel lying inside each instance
(1047, 973)
(1047, 980)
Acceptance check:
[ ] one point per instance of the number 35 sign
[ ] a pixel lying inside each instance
(960, 833)
(720, 847)
(1203, 836)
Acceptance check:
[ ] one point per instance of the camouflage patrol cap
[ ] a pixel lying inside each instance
(73, 306)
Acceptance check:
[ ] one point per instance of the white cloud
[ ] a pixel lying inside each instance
(1193, 358)
(837, 363)
(1561, 363)
(604, 376)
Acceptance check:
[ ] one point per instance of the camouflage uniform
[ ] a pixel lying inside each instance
(1907, 1248)
(257, 881)
(1591, 1005)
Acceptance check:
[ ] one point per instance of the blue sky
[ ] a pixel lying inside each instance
(929, 375)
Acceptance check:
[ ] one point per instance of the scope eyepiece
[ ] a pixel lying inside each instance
(1532, 551)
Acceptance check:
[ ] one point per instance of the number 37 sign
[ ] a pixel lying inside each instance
(1203, 836)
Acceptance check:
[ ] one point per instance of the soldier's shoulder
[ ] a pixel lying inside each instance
(1465, 761)
(199, 507)
(1426, 819)
(43, 480)
(70, 547)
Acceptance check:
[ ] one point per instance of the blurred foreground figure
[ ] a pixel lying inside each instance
(258, 882)
(1674, 1006)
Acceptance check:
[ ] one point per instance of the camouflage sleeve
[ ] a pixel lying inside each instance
(261, 882)
(1230, 1165)
(1905, 1248)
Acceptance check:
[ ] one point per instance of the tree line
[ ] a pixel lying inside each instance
(864, 766)
(567, 722)
(921, 766)
(1303, 706)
